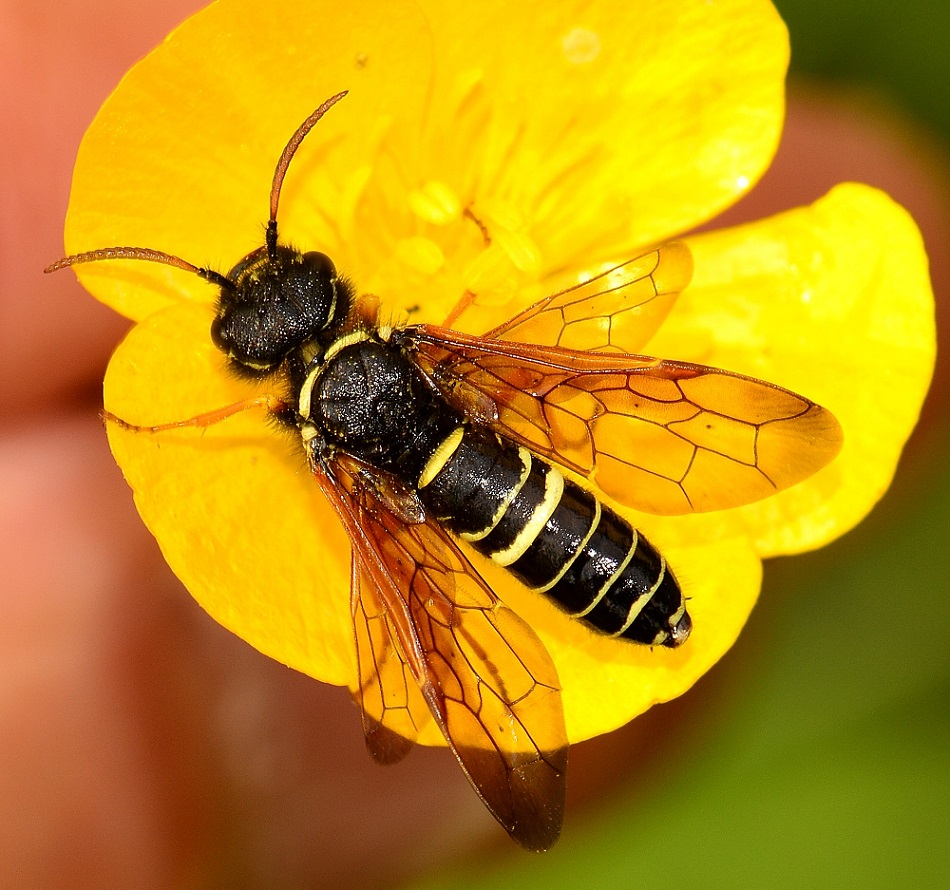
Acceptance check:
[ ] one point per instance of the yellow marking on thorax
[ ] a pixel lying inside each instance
(309, 351)
(441, 456)
(357, 336)
(305, 402)
(553, 489)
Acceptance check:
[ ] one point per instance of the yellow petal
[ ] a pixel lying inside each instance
(607, 682)
(832, 301)
(607, 126)
(576, 133)
(180, 158)
(233, 507)
(611, 124)
(244, 526)
(236, 511)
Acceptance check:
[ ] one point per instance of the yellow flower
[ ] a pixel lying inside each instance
(578, 133)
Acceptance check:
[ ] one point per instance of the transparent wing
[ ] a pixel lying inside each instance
(660, 436)
(422, 613)
(394, 710)
(613, 309)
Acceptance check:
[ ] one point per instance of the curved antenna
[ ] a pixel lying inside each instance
(284, 162)
(140, 253)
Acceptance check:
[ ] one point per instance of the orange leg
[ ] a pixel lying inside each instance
(209, 418)
(466, 300)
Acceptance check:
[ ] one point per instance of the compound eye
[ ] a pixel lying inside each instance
(309, 293)
(249, 340)
(320, 264)
(217, 334)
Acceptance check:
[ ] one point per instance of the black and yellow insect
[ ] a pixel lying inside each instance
(428, 442)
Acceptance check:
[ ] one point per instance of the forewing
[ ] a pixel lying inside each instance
(487, 679)
(394, 711)
(389, 665)
(614, 309)
(660, 436)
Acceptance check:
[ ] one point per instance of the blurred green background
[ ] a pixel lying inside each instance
(818, 753)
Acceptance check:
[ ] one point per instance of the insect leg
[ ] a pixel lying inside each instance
(272, 404)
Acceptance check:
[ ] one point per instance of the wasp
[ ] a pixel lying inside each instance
(430, 443)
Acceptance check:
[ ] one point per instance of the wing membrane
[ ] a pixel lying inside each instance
(423, 614)
(394, 711)
(616, 309)
(661, 436)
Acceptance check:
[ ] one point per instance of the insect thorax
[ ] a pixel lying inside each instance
(371, 400)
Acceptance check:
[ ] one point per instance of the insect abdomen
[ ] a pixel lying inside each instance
(555, 536)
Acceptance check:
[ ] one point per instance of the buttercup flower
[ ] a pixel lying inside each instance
(578, 134)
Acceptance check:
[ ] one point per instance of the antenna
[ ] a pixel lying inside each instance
(157, 256)
(140, 253)
(284, 162)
